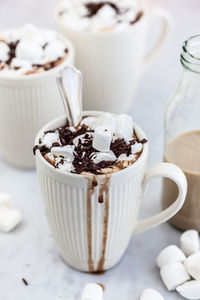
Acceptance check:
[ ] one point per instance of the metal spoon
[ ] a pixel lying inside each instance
(69, 82)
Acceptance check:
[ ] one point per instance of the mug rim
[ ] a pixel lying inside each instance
(100, 34)
(69, 58)
(48, 126)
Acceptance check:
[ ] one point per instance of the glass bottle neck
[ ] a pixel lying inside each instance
(190, 56)
(190, 78)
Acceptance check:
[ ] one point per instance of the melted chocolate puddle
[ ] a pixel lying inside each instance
(103, 198)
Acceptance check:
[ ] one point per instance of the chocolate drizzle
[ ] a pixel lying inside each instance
(103, 193)
(92, 183)
(94, 7)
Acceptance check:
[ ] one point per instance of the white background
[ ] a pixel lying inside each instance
(29, 250)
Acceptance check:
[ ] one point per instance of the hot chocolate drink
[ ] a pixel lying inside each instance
(29, 50)
(184, 152)
(99, 15)
(99, 145)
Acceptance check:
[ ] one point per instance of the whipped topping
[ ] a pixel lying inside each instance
(99, 15)
(99, 145)
(29, 49)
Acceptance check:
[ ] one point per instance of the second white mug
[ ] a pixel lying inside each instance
(112, 61)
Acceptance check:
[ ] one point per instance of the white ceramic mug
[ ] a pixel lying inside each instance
(27, 102)
(112, 61)
(93, 236)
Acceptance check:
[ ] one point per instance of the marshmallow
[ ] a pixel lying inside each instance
(101, 156)
(173, 275)
(137, 147)
(190, 290)
(5, 200)
(50, 138)
(54, 50)
(150, 294)
(88, 121)
(4, 50)
(66, 151)
(29, 51)
(190, 242)
(193, 265)
(102, 138)
(92, 291)
(170, 254)
(30, 33)
(9, 219)
(106, 13)
(123, 157)
(105, 119)
(108, 120)
(64, 164)
(124, 127)
(23, 64)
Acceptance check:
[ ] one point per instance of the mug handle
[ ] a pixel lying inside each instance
(157, 12)
(175, 174)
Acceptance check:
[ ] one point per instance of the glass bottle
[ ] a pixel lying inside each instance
(182, 137)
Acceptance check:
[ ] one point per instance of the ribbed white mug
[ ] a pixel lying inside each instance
(113, 61)
(27, 102)
(92, 234)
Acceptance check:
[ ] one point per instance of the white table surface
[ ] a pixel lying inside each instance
(29, 251)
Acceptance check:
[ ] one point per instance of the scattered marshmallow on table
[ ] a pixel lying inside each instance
(150, 294)
(92, 291)
(170, 254)
(5, 200)
(9, 219)
(190, 242)
(193, 265)
(176, 268)
(190, 290)
(173, 275)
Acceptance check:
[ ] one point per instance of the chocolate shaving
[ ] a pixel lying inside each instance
(120, 146)
(44, 46)
(93, 8)
(144, 141)
(12, 49)
(25, 281)
(137, 18)
(43, 149)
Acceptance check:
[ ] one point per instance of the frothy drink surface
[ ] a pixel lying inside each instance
(184, 152)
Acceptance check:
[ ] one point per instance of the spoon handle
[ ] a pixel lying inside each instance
(69, 82)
